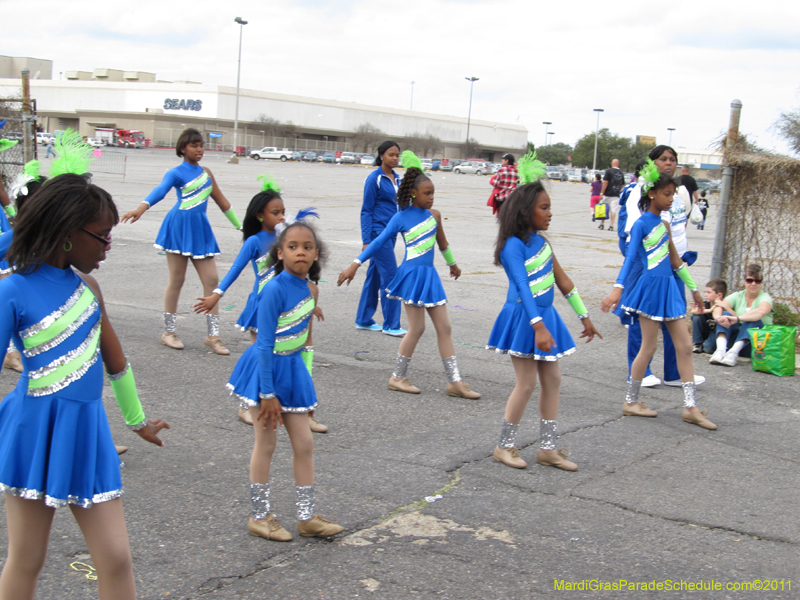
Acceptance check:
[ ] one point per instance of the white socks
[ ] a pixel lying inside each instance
(722, 344)
(737, 347)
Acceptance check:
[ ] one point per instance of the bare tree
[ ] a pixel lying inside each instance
(788, 124)
(274, 128)
(368, 137)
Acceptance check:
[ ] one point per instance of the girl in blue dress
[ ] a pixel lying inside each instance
(416, 282)
(657, 296)
(528, 327)
(185, 234)
(274, 382)
(55, 444)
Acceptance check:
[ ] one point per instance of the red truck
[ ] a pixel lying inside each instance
(131, 138)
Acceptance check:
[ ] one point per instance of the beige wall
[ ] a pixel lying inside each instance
(11, 67)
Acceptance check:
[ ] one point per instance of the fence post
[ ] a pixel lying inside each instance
(717, 259)
(28, 137)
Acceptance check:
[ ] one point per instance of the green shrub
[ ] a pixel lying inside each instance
(783, 315)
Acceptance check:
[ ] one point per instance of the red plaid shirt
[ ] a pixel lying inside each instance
(506, 180)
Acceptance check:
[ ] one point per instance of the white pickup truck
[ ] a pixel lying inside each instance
(283, 154)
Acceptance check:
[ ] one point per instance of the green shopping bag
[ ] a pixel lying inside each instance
(773, 349)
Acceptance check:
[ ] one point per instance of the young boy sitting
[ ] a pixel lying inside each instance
(703, 325)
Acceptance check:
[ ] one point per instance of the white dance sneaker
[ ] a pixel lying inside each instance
(651, 381)
(716, 358)
(698, 379)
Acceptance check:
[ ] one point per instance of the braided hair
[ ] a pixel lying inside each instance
(411, 181)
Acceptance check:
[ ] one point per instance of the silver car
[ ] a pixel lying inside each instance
(478, 167)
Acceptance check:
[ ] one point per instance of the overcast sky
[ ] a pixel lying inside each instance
(649, 65)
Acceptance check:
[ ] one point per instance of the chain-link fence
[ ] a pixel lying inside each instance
(114, 162)
(764, 224)
(13, 159)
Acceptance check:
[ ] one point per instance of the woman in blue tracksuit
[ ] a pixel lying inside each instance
(379, 206)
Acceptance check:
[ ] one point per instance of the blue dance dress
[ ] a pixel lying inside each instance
(186, 230)
(256, 251)
(656, 295)
(55, 443)
(416, 281)
(5, 242)
(273, 366)
(529, 267)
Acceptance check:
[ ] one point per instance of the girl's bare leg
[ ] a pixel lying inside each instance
(28, 523)
(444, 332)
(302, 447)
(263, 449)
(207, 271)
(525, 371)
(103, 527)
(176, 264)
(416, 327)
(648, 349)
(683, 348)
(549, 387)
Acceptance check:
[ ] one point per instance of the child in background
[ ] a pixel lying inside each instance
(528, 327)
(416, 282)
(702, 204)
(703, 324)
(185, 234)
(594, 198)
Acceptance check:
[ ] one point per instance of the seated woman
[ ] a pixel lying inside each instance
(741, 311)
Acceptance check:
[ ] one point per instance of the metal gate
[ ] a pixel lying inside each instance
(109, 161)
(13, 159)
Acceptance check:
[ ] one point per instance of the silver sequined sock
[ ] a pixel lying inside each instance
(689, 394)
(547, 434)
(401, 366)
(212, 321)
(306, 503)
(632, 396)
(11, 347)
(451, 369)
(259, 501)
(169, 322)
(508, 434)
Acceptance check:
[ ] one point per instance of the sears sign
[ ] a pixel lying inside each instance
(175, 104)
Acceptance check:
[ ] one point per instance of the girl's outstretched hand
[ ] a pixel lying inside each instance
(134, 215)
(589, 330)
(611, 300)
(698, 300)
(348, 274)
(206, 304)
(318, 313)
(455, 272)
(149, 433)
(544, 341)
(270, 413)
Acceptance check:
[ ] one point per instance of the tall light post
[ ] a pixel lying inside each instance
(241, 23)
(550, 141)
(670, 129)
(546, 126)
(596, 131)
(472, 81)
(412, 95)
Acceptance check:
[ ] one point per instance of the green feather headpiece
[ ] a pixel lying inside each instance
(6, 144)
(73, 155)
(648, 175)
(530, 169)
(268, 184)
(31, 169)
(408, 159)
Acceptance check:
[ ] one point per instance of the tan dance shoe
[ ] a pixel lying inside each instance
(509, 456)
(556, 459)
(402, 385)
(171, 340)
(316, 426)
(460, 389)
(318, 526)
(698, 418)
(637, 409)
(215, 344)
(245, 416)
(269, 529)
(13, 361)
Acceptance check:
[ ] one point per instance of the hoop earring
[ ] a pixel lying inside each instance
(260, 220)
(65, 246)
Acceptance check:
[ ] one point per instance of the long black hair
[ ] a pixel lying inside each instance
(383, 148)
(45, 221)
(316, 267)
(32, 187)
(411, 181)
(515, 215)
(663, 181)
(251, 225)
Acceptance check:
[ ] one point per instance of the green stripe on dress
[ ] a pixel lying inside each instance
(538, 259)
(655, 236)
(62, 323)
(419, 230)
(421, 248)
(294, 316)
(289, 344)
(540, 286)
(66, 369)
(195, 200)
(656, 257)
(194, 184)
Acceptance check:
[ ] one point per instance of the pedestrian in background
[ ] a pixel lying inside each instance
(504, 182)
(594, 198)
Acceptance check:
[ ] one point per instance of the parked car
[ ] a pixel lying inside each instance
(446, 167)
(427, 164)
(368, 159)
(479, 167)
(328, 157)
(347, 158)
(575, 175)
(94, 142)
(282, 154)
(309, 156)
(43, 138)
(297, 155)
(556, 173)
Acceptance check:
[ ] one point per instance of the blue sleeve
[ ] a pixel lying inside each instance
(368, 208)
(248, 252)
(632, 255)
(394, 226)
(269, 303)
(8, 313)
(157, 195)
(513, 259)
(5, 243)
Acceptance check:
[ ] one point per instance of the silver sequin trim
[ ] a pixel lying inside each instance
(212, 324)
(287, 338)
(306, 503)
(651, 317)
(538, 280)
(451, 369)
(195, 256)
(412, 303)
(219, 292)
(547, 434)
(653, 232)
(169, 322)
(246, 329)
(290, 313)
(535, 320)
(536, 256)
(75, 375)
(55, 315)
(401, 366)
(195, 180)
(138, 426)
(259, 501)
(689, 394)
(571, 294)
(246, 402)
(544, 357)
(84, 316)
(632, 395)
(508, 434)
(425, 224)
(266, 396)
(29, 494)
(121, 374)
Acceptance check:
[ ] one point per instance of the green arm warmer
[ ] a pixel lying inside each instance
(308, 358)
(683, 273)
(574, 299)
(233, 218)
(448, 257)
(125, 392)
(10, 211)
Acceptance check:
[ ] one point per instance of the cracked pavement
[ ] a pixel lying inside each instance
(653, 499)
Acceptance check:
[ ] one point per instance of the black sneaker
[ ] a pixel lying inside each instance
(698, 348)
(611, 228)
(602, 226)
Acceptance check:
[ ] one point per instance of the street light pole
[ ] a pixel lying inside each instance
(546, 125)
(670, 129)
(596, 131)
(241, 23)
(550, 141)
(412, 95)
(472, 81)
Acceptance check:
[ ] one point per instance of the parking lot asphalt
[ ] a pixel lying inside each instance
(428, 513)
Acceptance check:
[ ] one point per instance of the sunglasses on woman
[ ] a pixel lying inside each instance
(751, 280)
(102, 240)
